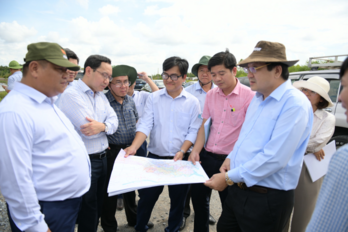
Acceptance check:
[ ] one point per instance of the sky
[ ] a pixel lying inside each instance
(144, 33)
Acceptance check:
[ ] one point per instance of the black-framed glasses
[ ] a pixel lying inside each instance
(253, 69)
(105, 75)
(120, 83)
(174, 77)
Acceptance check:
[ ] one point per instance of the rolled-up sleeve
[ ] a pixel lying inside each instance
(195, 123)
(146, 122)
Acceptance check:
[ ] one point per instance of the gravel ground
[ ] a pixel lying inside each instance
(159, 215)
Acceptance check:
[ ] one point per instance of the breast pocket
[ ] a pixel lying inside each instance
(183, 121)
(236, 118)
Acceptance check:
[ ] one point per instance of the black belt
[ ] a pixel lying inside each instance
(121, 146)
(170, 157)
(216, 156)
(255, 188)
(98, 155)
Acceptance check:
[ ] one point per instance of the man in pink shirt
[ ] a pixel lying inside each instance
(226, 106)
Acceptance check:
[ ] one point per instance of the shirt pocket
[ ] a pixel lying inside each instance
(236, 118)
(183, 121)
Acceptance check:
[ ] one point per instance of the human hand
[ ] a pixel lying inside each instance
(319, 154)
(194, 156)
(225, 167)
(217, 182)
(92, 127)
(49, 230)
(130, 151)
(178, 156)
(143, 76)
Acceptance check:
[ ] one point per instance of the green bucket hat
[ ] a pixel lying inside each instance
(125, 70)
(51, 52)
(14, 65)
(203, 61)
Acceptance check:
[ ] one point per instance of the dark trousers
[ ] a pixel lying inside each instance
(108, 220)
(187, 209)
(59, 215)
(92, 201)
(200, 194)
(149, 197)
(245, 210)
(142, 151)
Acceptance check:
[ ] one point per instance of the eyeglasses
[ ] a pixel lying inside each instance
(308, 91)
(253, 69)
(174, 77)
(120, 83)
(105, 75)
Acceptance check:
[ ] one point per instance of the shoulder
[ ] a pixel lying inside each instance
(190, 98)
(294, 98)
(213, 91)
(18, 104)
(327, 116)
(190, 88)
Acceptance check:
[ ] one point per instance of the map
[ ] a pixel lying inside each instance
(135, 172)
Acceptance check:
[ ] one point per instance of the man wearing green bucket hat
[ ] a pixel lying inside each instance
(44, 166)
(16, 75)
(123, 76)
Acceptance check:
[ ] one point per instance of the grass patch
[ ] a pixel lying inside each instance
(3, 81)
(2, 94)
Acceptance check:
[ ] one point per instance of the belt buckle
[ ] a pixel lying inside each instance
(101, 155)
(241, 185)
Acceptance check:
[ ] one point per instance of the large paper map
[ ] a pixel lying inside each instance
(135, 172)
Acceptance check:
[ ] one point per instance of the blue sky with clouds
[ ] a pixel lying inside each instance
(143, 33)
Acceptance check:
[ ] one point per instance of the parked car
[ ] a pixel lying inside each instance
(159, 84)
(139, 84)
(79, 75)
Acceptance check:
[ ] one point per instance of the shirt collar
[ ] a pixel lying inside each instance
(85, 87)
(236, 89)
(198, 86)
(319, 113)
(32, 93)
(182, 94)
(278, 93)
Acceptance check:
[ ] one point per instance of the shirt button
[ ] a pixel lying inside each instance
(224, 110)
(226, 98)
(218, 132)
(215, 144)
(222, 122)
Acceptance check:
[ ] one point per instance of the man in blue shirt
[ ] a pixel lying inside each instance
(265, 164)
(93, 118)
(124, 106)
(171, 115)
(44, 165)
(16, 75)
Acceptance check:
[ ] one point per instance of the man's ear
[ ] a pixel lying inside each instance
(278, 71)
(33, 69)
(184, 77)
(234, 71)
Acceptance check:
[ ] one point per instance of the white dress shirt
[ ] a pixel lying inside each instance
(197, 91)
(13, 79)
(322, 130)
(42, 156)
(140, 98)
(170, 121)
(79, 102)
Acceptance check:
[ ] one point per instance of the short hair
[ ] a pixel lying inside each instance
(344, 67)
(176, 61)
(285, 69)
(71, 55)
(226, 58)
(25, 67)
(323, 104)
(94, 61)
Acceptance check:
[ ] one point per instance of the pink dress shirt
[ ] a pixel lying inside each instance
(227, 114)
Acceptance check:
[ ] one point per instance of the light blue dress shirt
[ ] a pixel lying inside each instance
(15, 77)
(331, 210)
(57, 100)
(273, 140)
(79, 102)
(140, 98)
(197, 91)
(170, 121)
(42, 156)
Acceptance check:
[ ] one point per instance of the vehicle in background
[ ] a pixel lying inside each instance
(159, 84)
(139, 84)
(79, 75)
(244, 81)
(187, 84)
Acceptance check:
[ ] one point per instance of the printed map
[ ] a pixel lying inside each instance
(134, 173)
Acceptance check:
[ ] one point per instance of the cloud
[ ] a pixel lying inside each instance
(13, 32)
(83, 3)
(109, 9)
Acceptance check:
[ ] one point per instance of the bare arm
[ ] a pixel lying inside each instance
(194, 156)
(152, 84)
(137, 142)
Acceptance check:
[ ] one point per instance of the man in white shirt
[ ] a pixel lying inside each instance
(16, 75)
(44, 165)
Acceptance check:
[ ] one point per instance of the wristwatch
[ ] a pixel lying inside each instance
(228, 180)
(106, 128)
(182, 152)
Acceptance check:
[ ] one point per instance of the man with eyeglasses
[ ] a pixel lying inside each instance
(93, 118)
(171, 115)
(264, 166)
(124, 106)
(226, 106)
(44, 165)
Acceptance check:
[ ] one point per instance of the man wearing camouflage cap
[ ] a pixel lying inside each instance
(44, 166)
(16, 75)
(124, 106)
(264, 166)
